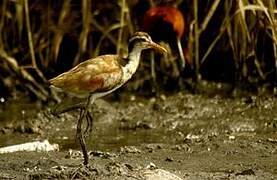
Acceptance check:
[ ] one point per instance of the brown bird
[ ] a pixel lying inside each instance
(167, 24)
(100, 76)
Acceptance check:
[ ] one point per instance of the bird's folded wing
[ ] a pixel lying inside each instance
(95, 75)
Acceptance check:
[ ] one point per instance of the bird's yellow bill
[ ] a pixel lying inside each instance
(158, 48)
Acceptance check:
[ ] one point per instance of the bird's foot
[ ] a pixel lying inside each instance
(84, 171)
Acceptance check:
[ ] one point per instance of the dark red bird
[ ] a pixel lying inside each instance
(170, 15)
(166, 24)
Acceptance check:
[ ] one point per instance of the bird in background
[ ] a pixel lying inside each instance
(100, 76)
(165, 23)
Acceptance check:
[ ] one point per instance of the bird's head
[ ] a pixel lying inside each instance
(141, 41)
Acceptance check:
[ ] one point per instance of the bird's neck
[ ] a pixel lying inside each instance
(133, 62)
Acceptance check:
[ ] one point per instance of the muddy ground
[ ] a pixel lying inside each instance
(191, 136)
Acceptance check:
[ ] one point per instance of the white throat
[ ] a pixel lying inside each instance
(133, 62)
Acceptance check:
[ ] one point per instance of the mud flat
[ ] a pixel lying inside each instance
(187, 136)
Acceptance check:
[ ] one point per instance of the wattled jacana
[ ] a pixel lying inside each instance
(166, 23)
(100, 76)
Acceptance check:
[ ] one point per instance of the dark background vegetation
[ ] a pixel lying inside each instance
(231, 41)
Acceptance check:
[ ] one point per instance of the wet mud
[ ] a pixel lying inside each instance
(173, 136)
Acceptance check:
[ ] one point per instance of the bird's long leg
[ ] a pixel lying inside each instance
(79, 134)
(181, 53)
(89, 127)
(153, 73)
(80, 137)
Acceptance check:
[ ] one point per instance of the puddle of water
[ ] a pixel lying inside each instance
(110, 138)
(177, 117)
(13, 116)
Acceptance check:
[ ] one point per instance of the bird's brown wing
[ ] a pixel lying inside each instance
(100, 74)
